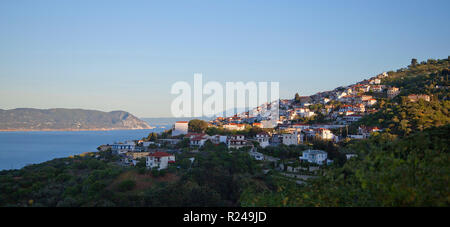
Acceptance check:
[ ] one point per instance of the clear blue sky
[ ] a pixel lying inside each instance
(111, 55)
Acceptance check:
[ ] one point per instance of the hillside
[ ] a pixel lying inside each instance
(401, 116)
(428, 77)
(412, 171)
(28, 119)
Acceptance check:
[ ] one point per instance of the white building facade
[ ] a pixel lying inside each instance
(314, 156)
(180, 128)
(122, 148)
(159, 160)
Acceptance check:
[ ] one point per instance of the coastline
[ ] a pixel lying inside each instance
(72, 130)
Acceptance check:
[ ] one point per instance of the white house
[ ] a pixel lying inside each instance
(236, 137)
(263, 139)
(159, 160)
(340, 95)
(377, 88)
(325, 100)
(216, 139)
(370, 102)
(375, 81)
(314, 156)
(325, 134)
(122, 148)
(234, 126)
(304, 112)
(198, 141)
(392, 92)
(236, 141)
(291, 139)
(180, 128)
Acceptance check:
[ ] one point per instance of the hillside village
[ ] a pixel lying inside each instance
(328, 117)
(380, 142)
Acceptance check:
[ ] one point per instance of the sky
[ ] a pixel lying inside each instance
(125, 55)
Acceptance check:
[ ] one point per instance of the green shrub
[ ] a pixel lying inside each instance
(126, 185)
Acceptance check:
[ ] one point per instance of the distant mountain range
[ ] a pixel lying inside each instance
(28, 119)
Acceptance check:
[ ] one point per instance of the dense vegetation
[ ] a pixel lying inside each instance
(406, 165)
(430, 77)
(401, 116)
(413, 171)
(406, 117)
(213, 179)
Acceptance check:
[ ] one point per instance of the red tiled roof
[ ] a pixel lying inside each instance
(194, 134)
(160, 154)
(198, 138)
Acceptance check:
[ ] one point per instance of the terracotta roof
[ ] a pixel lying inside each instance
(198, 138)
(160, 154)
(194, 134)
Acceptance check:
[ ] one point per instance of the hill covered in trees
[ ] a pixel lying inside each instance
(412, 171)
(428, 77)
(215, 178)
(407, 164)
(68, 119)
(402, 116)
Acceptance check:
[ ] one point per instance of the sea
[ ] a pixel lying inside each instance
(18, 149)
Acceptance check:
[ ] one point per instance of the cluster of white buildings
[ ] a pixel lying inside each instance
(134, 151)
(233, 141)
(341, 106)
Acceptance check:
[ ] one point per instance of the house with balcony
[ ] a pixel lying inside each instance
(217, 139)
(197, 139)
(237, 141)
(318, 157)
(263, 139)
(159, 160)
(392, 92)
(122, 148)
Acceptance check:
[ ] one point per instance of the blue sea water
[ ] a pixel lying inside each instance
(18, 149)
